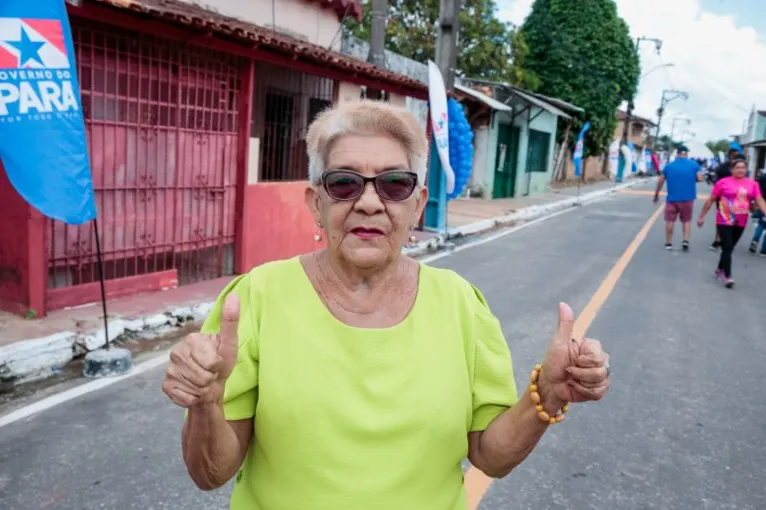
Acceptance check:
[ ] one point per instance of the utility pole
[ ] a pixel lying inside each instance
(629, 113)
(447, 39)
(668, 95)
(379, 15)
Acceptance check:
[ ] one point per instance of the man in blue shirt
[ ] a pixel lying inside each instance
(682, 176)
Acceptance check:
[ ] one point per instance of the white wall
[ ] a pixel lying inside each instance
(301, 19)
(348, 92)
(398, 100)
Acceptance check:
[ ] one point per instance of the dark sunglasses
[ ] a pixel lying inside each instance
(394, 185)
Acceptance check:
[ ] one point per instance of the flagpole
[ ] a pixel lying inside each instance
(100, 265)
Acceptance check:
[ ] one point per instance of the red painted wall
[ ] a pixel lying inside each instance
(14, 277)
(277, 223)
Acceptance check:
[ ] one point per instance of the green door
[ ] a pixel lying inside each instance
(537, 156)
(505, 163)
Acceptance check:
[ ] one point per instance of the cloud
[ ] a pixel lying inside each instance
(720, 64)
(514, 10)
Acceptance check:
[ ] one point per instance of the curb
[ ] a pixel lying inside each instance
(39, 358)
(525, 214)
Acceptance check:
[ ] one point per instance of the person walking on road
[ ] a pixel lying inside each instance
(733, 196)
(721, 172)
(355, 377)
(681, 176)
(758, 216)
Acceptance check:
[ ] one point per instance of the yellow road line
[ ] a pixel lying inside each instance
(477, 483)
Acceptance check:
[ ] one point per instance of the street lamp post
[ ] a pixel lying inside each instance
(668, 95)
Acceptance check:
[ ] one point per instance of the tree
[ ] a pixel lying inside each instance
(665, 143)
(717, 146)
(582, 53)
(488, 48)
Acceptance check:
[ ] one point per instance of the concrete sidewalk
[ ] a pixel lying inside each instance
(476, 215)
(36, 349)
(462, 212)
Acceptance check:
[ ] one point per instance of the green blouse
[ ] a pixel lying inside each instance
(361, 419)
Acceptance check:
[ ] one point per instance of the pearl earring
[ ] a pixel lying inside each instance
(413, 239)
(318, 235)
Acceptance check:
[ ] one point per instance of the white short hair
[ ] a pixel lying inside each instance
(366, 118)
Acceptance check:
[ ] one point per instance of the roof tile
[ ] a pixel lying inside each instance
(198, 17)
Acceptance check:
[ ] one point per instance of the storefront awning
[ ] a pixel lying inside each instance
(528, 98)
(560, 104)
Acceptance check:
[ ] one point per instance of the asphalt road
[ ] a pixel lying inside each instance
(683, 427)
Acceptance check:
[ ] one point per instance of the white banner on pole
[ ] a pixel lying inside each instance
(437, 96)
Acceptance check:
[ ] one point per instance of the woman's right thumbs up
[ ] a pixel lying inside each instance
(201, 363)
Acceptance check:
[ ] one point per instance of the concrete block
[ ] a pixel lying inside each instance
(202, 310)
(107, 362)
(93, 341)
(134, 325)
(156, 320)
(183, 314)
(31, 359)
(150, 334)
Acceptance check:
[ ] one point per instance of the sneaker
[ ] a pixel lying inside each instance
(668, 246)
(714, 247)
(753, 247)
(719, 275)
(729, 283)
(685, 246)
(762, 254)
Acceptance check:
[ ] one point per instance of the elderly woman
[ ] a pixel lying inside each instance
(355, 377)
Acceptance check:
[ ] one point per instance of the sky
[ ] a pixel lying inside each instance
(718, 48)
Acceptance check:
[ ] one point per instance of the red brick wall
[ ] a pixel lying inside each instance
(592, 167)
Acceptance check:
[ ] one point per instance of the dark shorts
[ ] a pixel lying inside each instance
(683, 209)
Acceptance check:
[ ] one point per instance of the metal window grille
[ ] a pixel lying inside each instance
(162, 125)
(285, 103)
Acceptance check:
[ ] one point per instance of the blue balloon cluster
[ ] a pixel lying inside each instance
(460, 146)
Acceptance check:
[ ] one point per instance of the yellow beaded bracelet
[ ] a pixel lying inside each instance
(535, 396)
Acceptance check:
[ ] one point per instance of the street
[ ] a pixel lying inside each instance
(682, 427)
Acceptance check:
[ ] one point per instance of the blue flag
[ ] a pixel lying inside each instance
(42, 134)
(579, 149)
(634, 164)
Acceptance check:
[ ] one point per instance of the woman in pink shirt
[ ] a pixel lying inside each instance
(734, 195)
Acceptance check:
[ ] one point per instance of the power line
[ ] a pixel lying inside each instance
(667, 73)
(713, 86)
